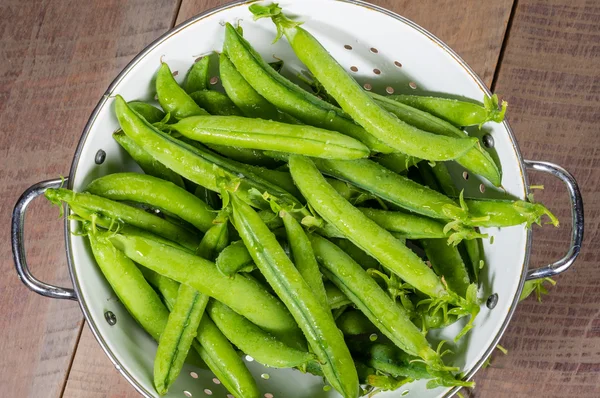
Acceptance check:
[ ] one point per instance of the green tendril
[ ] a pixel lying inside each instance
(273, 11)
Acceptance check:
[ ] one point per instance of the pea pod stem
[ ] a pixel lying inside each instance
(146, 162)
(289, 97)
(270, 135)
(241, 294)
(252, 340)
(156, 193)
(120, 212)
(353, 99)
(314, 319)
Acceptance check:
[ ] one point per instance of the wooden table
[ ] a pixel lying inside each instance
(57, 58)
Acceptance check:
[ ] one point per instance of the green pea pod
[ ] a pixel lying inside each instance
(146, 162)
(408, 225)
(129, 285)
(355, 101)
(270, 135)
(361, 230)
(444, 179)
(371, 300)
(172, 98)
(235, 258)
(211, 344)
(252, 340)
(176, 339)
(447, 262)
(474, 257)
(124, 213)
(314, 319)
(392, 187)
(397, 162)
(251, 103)
(357, 254)
(475, 159)
(156, 193)
(151, 113)
(459, 113)
(303, 256)
(506, 213)
(354, 323)
(216, 103)
(335, 298)
(195, 163)
(197, 76)
(289, 97)
(243, 295)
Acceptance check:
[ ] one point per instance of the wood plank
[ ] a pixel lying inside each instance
(478, 42)
(57, 60)
(549, 76)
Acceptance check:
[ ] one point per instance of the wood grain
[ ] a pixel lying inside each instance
(549, 75)
(57, 60)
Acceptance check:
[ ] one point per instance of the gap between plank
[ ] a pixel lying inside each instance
(64, 386)
(176, 13)
(511, 17)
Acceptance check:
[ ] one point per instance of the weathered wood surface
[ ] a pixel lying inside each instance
(58, 57)
(549, 74)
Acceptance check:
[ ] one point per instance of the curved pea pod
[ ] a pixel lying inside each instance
(146, 162)
(233, 259)
(289, 97)
(252, 340)
(303, 257)
(216, 238)
(371, 300)
(397, 162)
(172, 98)
(151, 113)
(447, 262)
(361, 230)
(243, 295)
(195, 163)
(196, 78)
(473, 255)
(129, 285)
(213, 347)
(335, 298)
(392, 187)
(408, 225)
(251, 103)
(177, 337)
(475, 159)
(216, 103)
(459, 113)
(156, 193)
(506, 213)
(120, 212)
(270, 135)
(315, 320)
(401, 136)
(354, 323)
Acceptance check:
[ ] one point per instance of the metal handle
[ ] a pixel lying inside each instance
(576, 214)
(18, 244)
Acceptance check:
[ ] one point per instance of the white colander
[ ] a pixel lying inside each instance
(386, 53)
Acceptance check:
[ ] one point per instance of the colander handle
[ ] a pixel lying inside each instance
(18, 244)
(577, 218)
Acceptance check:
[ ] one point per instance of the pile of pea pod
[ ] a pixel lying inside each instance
(294, 225)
